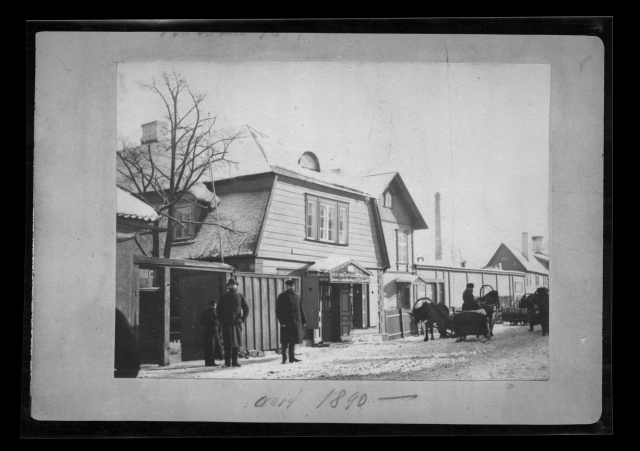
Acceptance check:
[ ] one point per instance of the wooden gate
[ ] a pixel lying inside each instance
(261, 331)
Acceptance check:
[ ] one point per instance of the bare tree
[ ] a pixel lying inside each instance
(170, 165)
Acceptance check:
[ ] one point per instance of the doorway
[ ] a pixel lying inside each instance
(361, 306)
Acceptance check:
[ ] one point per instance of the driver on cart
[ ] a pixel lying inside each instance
(469, 300)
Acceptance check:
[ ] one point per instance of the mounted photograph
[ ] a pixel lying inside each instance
(332, 221)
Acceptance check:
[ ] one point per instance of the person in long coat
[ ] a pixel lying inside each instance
(232, 312)
(291, 317)
(212, 335)
(469, 300)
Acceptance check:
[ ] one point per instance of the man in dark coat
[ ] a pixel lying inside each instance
(291, 317)
(469, 300)
(232, 312)
(212, 346)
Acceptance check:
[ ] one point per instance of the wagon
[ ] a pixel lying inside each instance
(470, 323)
(515, 315)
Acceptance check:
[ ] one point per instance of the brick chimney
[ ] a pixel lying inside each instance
(525, 245)
(154, 131)
(438, 253)
(463, 263)
(538, 244)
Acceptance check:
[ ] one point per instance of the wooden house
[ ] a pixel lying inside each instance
(532, 261)
(281, 215)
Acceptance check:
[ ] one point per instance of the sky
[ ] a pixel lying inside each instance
(476, 133)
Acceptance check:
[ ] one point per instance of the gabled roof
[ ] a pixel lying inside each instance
(329, 264)
(128, 206)
(531, 265)
(379, 183)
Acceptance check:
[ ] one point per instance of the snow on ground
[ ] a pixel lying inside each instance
(514, 353)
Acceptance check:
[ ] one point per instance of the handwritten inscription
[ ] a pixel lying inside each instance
(266, 401)
(333, 400)
(361, 398)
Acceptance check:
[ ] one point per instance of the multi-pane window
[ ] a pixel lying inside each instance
(403, 248)
(312, 219)
(327, 220)
(342, 225)
(388, 199)
(185, 228)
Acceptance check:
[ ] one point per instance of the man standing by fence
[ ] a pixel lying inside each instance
(232, 312)
(291, 317)
(212, 347)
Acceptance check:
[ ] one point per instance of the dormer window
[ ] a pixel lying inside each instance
(388, 199)
(186, 229)
(308, 160)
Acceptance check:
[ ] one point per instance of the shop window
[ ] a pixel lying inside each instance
(327, 220)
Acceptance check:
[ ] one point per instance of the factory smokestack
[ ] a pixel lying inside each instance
(438, 253)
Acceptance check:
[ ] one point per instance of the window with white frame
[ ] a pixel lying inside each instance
(403, 247)
(327, 220)
(388, 199)
(185, 228)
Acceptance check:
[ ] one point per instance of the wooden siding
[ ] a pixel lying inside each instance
(400, 212)
(489, 279)
(390, 236)
(504, 289)
(459, 283)
(284, 232)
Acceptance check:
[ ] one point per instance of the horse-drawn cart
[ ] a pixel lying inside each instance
(478, 323)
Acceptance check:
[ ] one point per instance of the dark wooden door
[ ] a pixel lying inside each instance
(365, 305)
(151, 327)
(345, 311)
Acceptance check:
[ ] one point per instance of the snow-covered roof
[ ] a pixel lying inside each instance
(531, 265)
(444, 264)
(541, 256)
(329, 263)
(130, 207)
(201, 192)
(376, 183)
(413, 280)
(241, 215)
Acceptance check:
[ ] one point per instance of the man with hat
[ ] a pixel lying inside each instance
(469, 300)
(291, 317)
(232, 312)
(212, 346)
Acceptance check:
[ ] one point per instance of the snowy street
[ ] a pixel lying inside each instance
(514, 353)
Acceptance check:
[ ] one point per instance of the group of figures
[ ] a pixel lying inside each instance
(223, 325)
(478, 316)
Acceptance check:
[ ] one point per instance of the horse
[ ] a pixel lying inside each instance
(538, 310)
(431, 314)
(490, 302)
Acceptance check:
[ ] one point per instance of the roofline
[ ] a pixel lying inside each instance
(422, 224)
(386, 264)
(483, 270)
(266, 214)
(284, 171)
(526, 271)
(183, 264)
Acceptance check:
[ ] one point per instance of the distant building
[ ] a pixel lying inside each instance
(532, 260)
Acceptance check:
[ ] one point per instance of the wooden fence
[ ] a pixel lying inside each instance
(261, 331)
